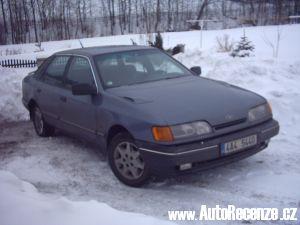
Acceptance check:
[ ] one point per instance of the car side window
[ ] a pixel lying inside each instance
(80, 72)
(56, 68)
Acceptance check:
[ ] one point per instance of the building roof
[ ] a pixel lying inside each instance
(91, 51)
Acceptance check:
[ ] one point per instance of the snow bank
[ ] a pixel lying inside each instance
(33, 208)
(277, 80)
(11, 107)
(259, 35)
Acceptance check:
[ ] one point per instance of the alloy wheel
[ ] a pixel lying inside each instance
(128, 161)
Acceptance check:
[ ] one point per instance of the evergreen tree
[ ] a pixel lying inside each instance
(243, 48)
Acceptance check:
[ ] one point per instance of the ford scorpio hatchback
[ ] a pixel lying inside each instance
(152, 115)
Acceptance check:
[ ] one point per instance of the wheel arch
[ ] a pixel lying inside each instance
(31, 104)
(114, 130)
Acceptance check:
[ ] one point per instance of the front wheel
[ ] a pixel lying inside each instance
(126, 161)
(41, 127)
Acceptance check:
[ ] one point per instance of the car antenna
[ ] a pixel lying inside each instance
(80, 43)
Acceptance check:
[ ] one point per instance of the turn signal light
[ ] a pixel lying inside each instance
(162, 134)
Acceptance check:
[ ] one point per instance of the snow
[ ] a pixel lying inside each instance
(34, 208)
(11, 107)
(258, 35)
(64, 166)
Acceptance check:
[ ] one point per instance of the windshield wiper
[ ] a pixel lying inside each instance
(141, 82)
(167, 78)
(147, 81)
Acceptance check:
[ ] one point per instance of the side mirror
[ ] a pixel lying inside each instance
(196, 70)
(83, 89)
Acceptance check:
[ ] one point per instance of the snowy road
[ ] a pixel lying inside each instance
(64, 166)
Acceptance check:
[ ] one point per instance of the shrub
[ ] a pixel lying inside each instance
(224, 44)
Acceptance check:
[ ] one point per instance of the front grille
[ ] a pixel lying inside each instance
(229, 124)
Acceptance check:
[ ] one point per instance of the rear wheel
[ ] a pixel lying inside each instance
(41, 127)
(126, 161)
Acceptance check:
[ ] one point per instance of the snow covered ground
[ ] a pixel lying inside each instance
(63, 166)
(289, 44)
(25, 200)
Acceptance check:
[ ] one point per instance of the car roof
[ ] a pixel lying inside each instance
(91, 51)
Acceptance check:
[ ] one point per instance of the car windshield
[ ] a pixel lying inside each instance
(138, 66)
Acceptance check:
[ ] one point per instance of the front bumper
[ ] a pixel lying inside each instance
(164, 160)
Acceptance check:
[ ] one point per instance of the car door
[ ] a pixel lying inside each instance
(78, 112)
(49, 86)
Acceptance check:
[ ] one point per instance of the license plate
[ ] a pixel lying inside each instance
(239, 144)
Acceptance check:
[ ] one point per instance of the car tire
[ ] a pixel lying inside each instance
(126, 161)
(41, 127)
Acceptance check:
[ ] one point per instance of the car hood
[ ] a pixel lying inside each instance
(190, 98)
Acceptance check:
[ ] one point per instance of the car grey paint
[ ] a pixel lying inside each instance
(139, 107)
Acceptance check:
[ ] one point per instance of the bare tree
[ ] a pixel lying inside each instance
(3, 16)
(158, 16)
(32, 4)
(42, 20)
(275, 44)
(111, 10)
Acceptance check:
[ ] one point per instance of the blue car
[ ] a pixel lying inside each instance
(150, 114)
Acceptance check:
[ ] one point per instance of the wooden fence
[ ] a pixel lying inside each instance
(18, 63)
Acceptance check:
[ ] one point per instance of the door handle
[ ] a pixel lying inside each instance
(63, 98)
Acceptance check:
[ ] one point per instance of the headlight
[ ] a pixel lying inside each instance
(181, 131)
(190, 130)
(259, 112)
